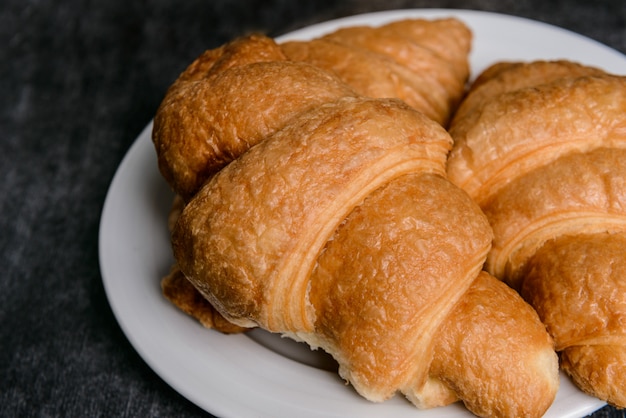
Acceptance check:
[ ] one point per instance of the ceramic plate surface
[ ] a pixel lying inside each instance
(259, 374)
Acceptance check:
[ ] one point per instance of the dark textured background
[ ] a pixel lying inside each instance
(79, 80)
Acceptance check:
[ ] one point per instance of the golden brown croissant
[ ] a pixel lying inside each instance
(422, 62)
(193, 145)
(335, 225)
(541, 147)
(355, 243)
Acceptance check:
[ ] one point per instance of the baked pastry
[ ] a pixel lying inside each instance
(541, 147)
(422, 62)
(177, 289)
(337, 227)
(193, 145)
(353, 241)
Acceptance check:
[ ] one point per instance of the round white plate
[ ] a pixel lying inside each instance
(259, 374)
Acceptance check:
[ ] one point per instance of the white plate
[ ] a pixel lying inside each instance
(259, 374)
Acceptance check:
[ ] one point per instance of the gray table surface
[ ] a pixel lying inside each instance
(78, 82)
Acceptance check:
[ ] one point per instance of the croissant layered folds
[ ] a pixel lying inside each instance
(293, 190)
(333, 223)
(193, 145)
(384, 61)
(541, 147)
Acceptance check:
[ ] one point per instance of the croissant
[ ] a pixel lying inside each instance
(193, 145)
(335, 225)
(384, 61)
(541, 146)
(420, 61)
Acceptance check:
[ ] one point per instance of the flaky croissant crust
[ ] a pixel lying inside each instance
(540, 206)
(365, 61)
(320, 169)
(382, 62)
(511, 130)
(541, 146)
(193, 145)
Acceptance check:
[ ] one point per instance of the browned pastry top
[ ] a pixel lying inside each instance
(546, 203)
(422, 62)
(292, 190)
(587, 286)
(233, 97)
(541, 146)
(514, 132)
(223, 104)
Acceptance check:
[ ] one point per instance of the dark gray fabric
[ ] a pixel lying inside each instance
(78, 82)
